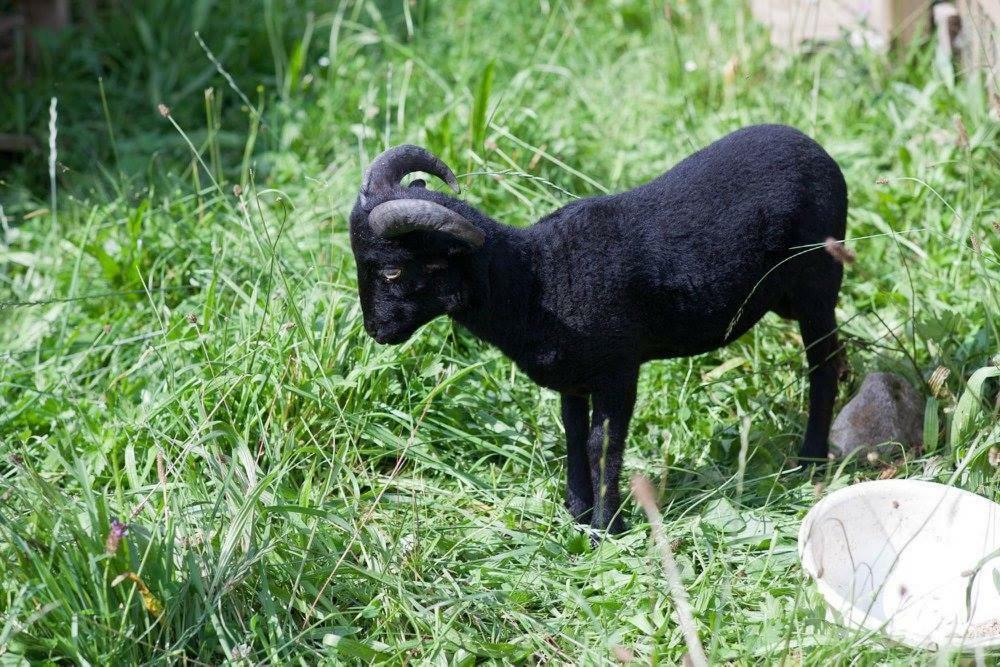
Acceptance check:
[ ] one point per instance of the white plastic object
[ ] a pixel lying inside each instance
(916, 560)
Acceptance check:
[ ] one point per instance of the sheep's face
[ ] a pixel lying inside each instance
(402, 288)
(408, 243)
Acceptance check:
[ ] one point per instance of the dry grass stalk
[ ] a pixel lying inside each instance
(642, 489)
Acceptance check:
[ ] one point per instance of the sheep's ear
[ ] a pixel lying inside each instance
(418, 183)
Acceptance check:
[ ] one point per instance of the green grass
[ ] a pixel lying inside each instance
(192, 361)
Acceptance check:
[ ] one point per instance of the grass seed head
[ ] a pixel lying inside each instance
(962, 140)
(937, 380)
(839, 251)
(623, 654)
(730, 69)
(161, 468)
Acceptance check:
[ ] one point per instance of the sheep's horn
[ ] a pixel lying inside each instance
(389, 168)
(401, 216)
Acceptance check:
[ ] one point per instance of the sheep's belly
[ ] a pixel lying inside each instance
(580, 367)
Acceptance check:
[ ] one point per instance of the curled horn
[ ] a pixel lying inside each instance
(388, 169)
(401, 216)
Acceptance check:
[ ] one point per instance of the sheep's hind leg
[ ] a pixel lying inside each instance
(579, 488)
(612, 412)
(819, 335)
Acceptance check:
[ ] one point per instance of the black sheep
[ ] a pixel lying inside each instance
(679, 266)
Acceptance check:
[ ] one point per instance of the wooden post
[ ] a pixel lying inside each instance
(981, 37)
(946, 25)
(51, 14)
(32, 15)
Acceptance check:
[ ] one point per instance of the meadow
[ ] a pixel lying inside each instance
(204, 458)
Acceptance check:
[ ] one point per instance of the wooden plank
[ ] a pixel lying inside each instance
(908, 19)
(11, 23)
(16, 143)
(992, 10)
(981, 32)
(51, 14)
(877, 23)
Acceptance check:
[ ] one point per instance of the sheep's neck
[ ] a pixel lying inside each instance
(503, 296)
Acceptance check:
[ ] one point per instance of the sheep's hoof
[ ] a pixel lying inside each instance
(808, 459)
(617, 526)
(598, 533)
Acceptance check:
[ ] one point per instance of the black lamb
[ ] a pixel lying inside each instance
(679, 266)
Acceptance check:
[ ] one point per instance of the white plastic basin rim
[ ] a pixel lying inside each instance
(912, 559)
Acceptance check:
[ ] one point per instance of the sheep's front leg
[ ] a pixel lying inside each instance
(579, 488)
(609, 427)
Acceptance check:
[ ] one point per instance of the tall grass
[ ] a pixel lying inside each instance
(184, 353)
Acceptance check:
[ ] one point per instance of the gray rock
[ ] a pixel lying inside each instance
(887, 409)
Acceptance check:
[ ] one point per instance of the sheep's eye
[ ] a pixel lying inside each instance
(436, 266)
(392, 274)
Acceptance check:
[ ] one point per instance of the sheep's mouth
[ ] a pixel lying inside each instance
(390, 339)
(391, 336)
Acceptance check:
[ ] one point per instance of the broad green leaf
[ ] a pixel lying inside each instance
(932, 425)
(481, 105)
(722, 516)
(970, 405)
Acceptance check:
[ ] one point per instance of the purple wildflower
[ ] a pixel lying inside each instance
(115, 535)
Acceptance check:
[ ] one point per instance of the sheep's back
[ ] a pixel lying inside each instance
(672, 264)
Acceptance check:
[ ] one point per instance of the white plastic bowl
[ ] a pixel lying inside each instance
(913, 559)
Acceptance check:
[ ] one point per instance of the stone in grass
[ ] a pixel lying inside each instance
(887, 409)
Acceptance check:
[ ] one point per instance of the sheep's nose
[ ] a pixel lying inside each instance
(372, 331)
